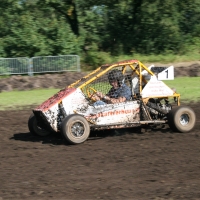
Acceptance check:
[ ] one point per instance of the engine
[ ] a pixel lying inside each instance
(158, 108)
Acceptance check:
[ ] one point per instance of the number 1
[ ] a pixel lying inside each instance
(167, 73)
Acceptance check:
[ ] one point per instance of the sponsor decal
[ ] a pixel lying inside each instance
(115, 112)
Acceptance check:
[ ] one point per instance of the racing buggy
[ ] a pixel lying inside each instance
(75, 110)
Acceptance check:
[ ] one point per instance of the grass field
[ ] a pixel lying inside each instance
(18, 99)
(188, 88)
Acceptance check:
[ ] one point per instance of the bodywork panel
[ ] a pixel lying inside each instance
(109, 114)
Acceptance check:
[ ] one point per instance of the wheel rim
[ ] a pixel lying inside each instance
(184, 119)
(77, 129)
(39, 130)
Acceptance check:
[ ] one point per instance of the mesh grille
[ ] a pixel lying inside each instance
(103, 83)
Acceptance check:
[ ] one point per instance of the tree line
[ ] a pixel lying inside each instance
(94, 28)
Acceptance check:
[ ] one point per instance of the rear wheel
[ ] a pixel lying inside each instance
(182, 119)
(35, 129)
(75, 129)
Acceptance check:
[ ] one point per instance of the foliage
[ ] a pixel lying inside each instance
(95, 29)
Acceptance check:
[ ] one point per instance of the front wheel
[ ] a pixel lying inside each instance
(35, 129)
(75, 129)
(182, 119)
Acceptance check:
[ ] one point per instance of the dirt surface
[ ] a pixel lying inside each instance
(20, 82)
(157, 164)
(191, 69)
(124, 164)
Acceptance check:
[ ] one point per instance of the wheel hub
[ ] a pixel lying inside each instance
(184, 119)
(77, 129)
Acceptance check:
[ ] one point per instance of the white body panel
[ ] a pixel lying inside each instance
(72, 102)
(122, 113)
(155, 88)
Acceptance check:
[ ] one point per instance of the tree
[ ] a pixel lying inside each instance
(65, 8)
(93, 27)
(29, 31)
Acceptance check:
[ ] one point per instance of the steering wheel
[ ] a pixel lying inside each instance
(91, 92)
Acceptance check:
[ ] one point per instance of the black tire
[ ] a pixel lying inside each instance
(182, 119)
(75, 129)
(35, 129)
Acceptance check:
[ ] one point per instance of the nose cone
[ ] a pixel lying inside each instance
(57, 98)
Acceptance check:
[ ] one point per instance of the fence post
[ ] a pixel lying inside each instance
(30, 67)
(78, 63)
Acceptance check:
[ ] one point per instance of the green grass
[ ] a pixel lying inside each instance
(164, 58)
(17, 99)
(161, 58)
(188, 87)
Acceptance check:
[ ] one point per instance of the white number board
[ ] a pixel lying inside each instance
(167, 74)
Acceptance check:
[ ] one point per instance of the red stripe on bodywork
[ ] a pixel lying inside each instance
(55, 99)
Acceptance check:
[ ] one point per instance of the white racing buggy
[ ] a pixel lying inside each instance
(77, 109)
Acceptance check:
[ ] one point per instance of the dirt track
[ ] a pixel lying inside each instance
(152, 165)
(157, 164)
